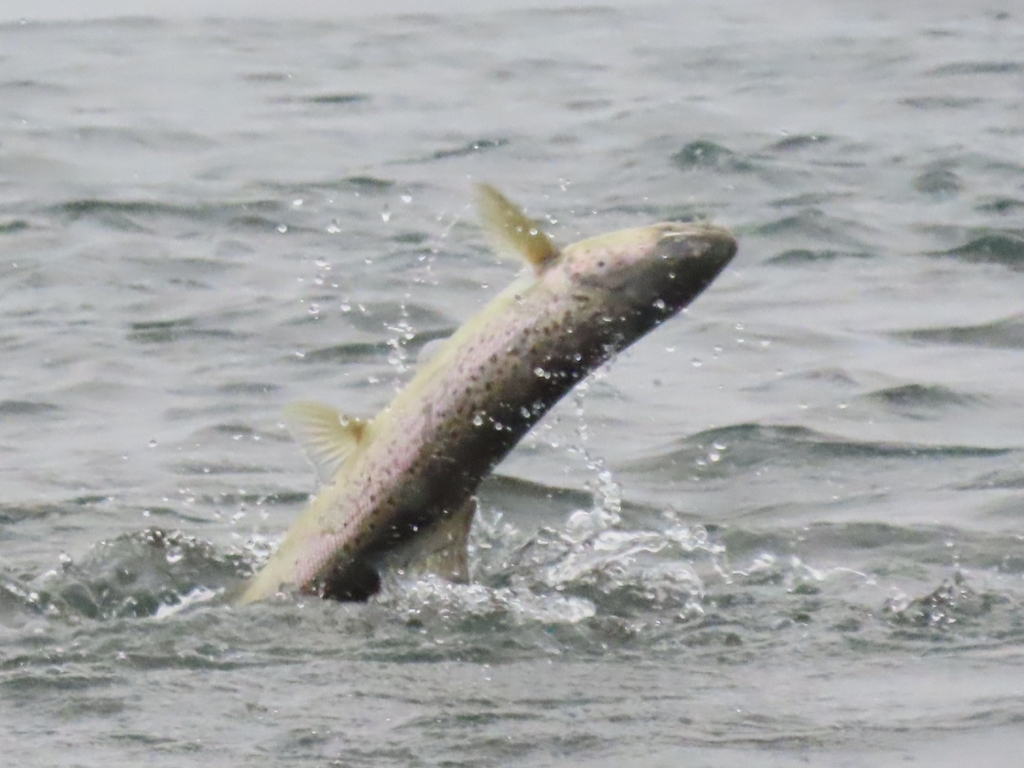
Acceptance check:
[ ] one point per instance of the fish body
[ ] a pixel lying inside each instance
(409, 475)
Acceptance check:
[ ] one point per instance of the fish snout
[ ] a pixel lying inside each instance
(694, 253)
(667, 266)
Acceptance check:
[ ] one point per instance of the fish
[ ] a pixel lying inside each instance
(399, 490)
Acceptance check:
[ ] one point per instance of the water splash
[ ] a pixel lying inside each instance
(398, 355)
(148, 573)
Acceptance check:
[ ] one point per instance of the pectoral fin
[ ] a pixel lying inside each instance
(327, 436)
(439, 549)
(510, 230)
(448, 544)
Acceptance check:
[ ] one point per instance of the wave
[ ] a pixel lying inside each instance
(707, 154)
(1005, 247)
(999, 334)
(741, 447)
(911, 397)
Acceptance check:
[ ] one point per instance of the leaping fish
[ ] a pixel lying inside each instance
(403, 484)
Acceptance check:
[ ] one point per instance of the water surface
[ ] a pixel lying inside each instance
(783, 529)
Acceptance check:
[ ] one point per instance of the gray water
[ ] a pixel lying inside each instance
(784, 529)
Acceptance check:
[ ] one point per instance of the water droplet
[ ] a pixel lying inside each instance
(499, 426)
(333, 227)
(297, 202)
(313, 309)
(152, 443)
(346, 307)
(659, 304)
(696, 362)
(478, 420)
(385, 215)
(282, 228)
(174, 555)
(406, 198)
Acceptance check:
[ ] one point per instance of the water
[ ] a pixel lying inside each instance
(783, 529)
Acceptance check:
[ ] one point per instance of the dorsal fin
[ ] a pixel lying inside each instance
(326, 436)
(510, 230)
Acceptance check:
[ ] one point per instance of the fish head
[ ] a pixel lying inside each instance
(648, 274)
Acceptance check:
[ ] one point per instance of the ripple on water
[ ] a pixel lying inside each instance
(803, 256)
(999, 334)
(1005, 247)
(921, 397)
(736, 449)
(705, 154)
